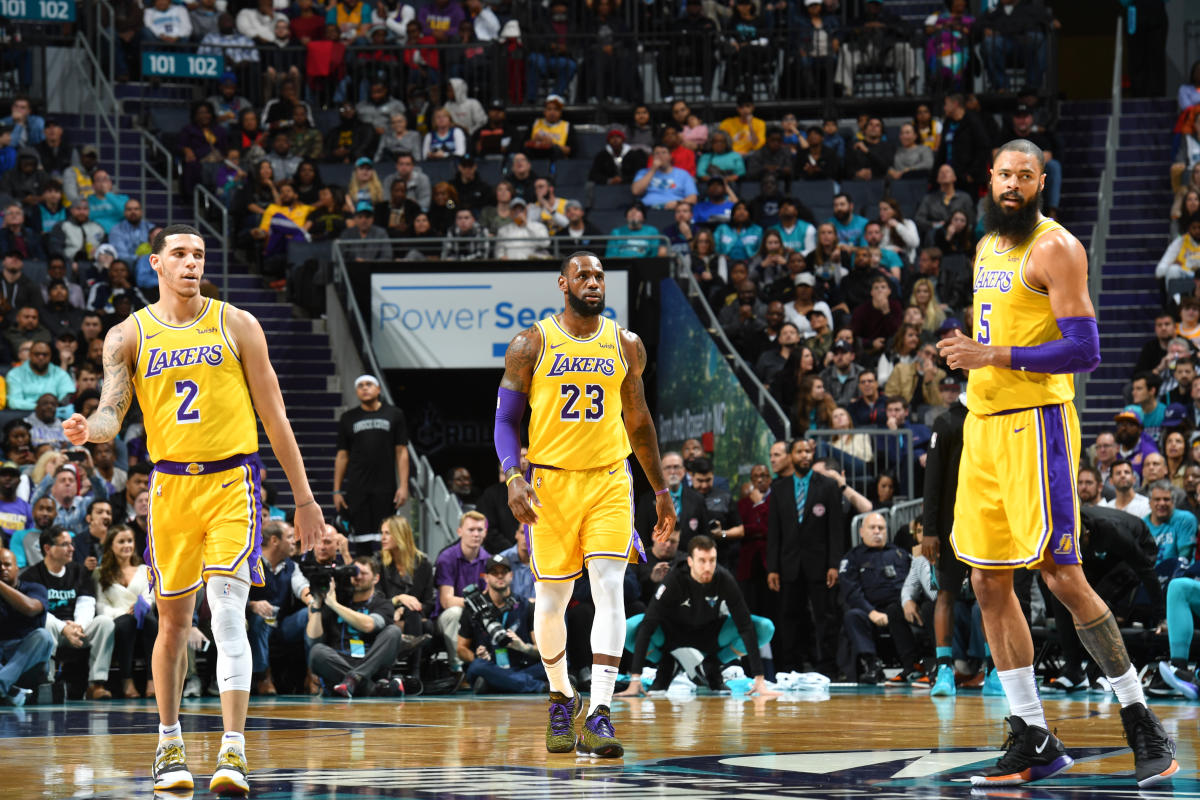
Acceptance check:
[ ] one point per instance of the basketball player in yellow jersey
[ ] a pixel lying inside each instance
(200, 370)
(581, 375)
(1017, 504)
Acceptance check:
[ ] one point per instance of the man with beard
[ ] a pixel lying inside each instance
(1017, 504)
(1127, 499)
(24, 543)
(582, 376)
(1132, 443)
(1088, 485)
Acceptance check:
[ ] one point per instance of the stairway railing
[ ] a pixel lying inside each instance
(439, 510)
(1098, 252)
(203, 203)
(106, 110)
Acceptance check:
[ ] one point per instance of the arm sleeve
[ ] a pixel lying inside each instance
(510, 407)
(1077, 351)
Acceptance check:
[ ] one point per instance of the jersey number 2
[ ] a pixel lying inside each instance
(188, 391)
(572, 393)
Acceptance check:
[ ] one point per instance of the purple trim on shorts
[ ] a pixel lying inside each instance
(193, 468)
(253, 549)
(1058, 486)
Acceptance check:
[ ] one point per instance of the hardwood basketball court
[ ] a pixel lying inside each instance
(876, 743)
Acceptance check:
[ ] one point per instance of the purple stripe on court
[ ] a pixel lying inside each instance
(1060, 472)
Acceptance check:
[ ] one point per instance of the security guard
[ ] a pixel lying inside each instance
(871, 577)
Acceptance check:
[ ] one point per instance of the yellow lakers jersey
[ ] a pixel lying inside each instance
(189, 383)
(1009, 312)
(575, 399)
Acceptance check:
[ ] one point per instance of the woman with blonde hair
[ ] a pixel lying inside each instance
(924, 295)
(364, 187)
(406, 576)
(123, 593)
(857, 445)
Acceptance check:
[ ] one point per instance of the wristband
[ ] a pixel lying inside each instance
(338, 491)
(512, 478)
(661, 491)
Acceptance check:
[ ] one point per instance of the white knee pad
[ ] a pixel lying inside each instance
(549, 620)
(608, 594)
(227, 596)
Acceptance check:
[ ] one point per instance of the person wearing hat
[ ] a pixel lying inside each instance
(465, 111)
(1021, 126)
(77, 178)
(466, 240)
(579, 230)
(371, 438)
(15, 513)
(17, 237)
(551, 136)
(496, 135)
(841, 375)
(474, 193)
(500, 660)
(351, 139)
(1132, 442)
(617, 162)
(814, 38)
(365, 240)
(523, 237)
(635, 239)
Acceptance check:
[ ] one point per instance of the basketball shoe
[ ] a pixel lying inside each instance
(598, 738)
(1030, 754)
(229, 779)
(170, 766)
(1153, 750)
(1181, 679)
(943, 685)
(560, 731)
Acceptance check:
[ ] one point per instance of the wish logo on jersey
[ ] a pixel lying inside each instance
(564, 363)
(158, 360)
(1001, 279)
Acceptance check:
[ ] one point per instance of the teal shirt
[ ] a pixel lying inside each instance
(632, 244)
(728, 163)
(739, 245)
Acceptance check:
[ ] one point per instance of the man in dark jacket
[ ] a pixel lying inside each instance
(351, 139)
(617, 162)
(705, 623)
(279, 608)
(965, 145)
(870, 578)
(805, 540)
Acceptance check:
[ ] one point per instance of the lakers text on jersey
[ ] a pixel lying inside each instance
(1016, 499)
(578, 448)
(205, 491)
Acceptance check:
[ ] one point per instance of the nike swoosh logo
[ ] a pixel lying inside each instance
(1042, 746)
(152, 335)
(231, 483)
(614, 472)
(1018, 430)
(556, 346)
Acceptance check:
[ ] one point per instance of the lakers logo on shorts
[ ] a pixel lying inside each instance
(1065, 544)
(195, 469)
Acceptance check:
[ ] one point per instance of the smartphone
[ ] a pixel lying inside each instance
(76, 455)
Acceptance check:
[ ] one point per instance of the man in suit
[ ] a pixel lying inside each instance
(689, 505)
(804, 545)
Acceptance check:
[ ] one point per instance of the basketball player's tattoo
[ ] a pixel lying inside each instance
(520, 358)
(116, 393)
(639, 424)
(1102, 638)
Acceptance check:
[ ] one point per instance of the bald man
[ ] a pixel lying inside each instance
(871, 576)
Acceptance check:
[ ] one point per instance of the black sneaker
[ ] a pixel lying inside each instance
(1157, 687)
(710, 674)
(1181, 679)
(1069, 683)
(872, 672)
(1153, 751)
(664, 675)
(1030, 754)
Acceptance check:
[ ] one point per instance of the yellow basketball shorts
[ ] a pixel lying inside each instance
(205, 520)
(1017, 498)
(585, 514)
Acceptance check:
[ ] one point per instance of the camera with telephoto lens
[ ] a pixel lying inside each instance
(320, 576)
(490, 615)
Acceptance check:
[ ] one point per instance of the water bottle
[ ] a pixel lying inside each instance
(502, 657)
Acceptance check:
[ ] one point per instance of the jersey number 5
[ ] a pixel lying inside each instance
(985, 325)
(188, 390)
(572, 393)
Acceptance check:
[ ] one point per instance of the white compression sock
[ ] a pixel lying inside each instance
(170, 731)
(608, 626)
(550, 629)
(1128, 688)
(235, 741)
(227, 597)
(1020, 686)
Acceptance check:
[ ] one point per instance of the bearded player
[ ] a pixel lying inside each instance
(1017, 505)
(581, 375)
